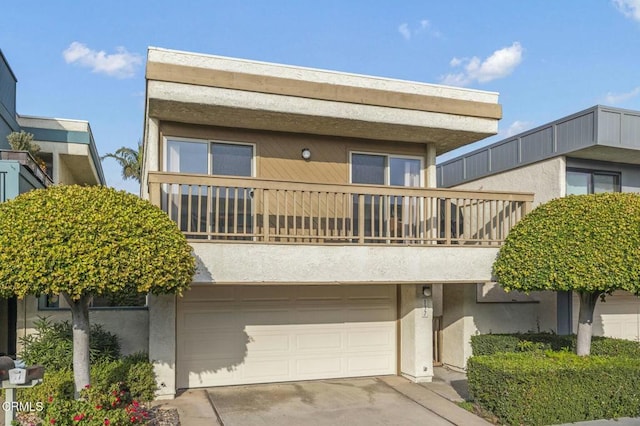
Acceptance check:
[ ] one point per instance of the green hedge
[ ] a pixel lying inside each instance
(488, 344)
(542, 388)
(135, 372)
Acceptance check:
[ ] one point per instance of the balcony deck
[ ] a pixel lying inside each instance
(241, 209)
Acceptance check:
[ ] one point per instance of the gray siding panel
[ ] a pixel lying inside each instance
(631, 130)
(609, 128)
(577, 132)
(7, 87)
(477, 164)
(606, 126)
(453, 174)
(538, 145)
(504, 156)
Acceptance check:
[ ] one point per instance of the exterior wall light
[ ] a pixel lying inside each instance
(426, 291)
(306, 154)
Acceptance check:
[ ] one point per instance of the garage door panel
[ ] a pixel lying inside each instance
(372, 364)
(320, 294)
(371, 292)
(231, 345)
(203, 319)
(318, 341)
(318, 315)
(368, 314)
(319, 367)
(301, 333)
(370, 339)
(261, 368)
(263, 317)
(268, 342)
(263, 294)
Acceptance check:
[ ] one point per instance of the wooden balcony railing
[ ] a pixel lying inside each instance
(271, 211)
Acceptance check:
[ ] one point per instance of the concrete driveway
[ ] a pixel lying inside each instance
(361, 401)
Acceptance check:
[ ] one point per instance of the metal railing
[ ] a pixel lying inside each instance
(24, 158)
(262, 210)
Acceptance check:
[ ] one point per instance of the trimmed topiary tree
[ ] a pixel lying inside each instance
(87, 241)
(589, 244)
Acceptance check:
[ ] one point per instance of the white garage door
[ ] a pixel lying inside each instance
(618, 316)
(257, 334)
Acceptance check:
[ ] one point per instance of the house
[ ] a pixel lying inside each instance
(308, 196)
(595, 150)
(69, 152)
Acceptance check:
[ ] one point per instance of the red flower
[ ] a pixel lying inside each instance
(98, 407)
(50, 399)
(107, 422)
(52, 421)
(87, 386)
(78, 417)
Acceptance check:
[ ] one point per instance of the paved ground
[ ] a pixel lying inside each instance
(362, 401)
(382, 401)
(387, 400)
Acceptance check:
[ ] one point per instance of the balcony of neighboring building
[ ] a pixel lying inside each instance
(19, 172)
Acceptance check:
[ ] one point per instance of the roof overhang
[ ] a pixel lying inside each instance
(210, 90)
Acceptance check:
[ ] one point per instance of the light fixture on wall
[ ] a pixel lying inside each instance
(306, 154)
(426, 291)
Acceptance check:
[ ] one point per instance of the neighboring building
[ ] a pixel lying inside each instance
(595, 150)
(69, 152)
(308, 197)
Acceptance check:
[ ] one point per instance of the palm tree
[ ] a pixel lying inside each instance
(129, 159)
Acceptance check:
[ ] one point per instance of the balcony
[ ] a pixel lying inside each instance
(26, 160)
(241, 209)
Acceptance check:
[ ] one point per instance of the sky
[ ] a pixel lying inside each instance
(547, 59)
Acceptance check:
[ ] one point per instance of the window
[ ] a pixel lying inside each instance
(397, 216)
(202, 210)
(124, 300)
(580, 181)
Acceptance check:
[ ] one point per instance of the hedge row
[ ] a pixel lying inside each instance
(488, 344)
(542, 388)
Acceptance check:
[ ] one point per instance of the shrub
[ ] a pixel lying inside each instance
(540, 388)
(52, 345)
(117, 389)
(488, 344)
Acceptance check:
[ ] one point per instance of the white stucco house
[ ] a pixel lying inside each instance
(594, 150)
(309, 197)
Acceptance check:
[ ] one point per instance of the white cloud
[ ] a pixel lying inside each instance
(629, 8)
(424, 26)
(500, 64)
(618, 98)
(121, 64)
(405, 31)
(516, 127)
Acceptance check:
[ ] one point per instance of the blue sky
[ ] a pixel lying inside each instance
(547, 59)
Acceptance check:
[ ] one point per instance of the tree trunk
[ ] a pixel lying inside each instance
(588, 302)
(81, 330)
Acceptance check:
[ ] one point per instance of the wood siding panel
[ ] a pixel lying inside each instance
(279, 154)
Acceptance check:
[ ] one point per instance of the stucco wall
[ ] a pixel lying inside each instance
(545, 179)
(464, 317)
(283, 263)
(131, 325)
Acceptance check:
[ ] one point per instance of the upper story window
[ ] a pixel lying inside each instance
(382, 169)
(204, 157)
(582, 181)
